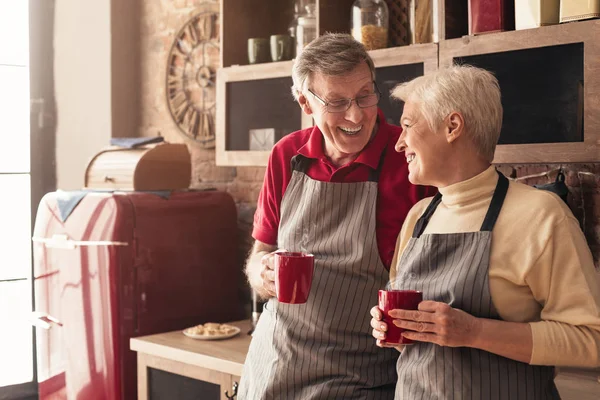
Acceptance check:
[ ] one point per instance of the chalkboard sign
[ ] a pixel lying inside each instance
(263, 106)
(387, 78)
(542, 92)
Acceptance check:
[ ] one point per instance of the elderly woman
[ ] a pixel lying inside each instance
(508, 281)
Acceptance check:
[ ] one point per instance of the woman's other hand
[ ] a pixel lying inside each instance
(438, 323)
(380, 329)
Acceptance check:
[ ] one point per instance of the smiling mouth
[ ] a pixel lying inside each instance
(350, 131)
(410, 158)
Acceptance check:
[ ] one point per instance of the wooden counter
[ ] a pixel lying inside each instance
(221, 361)
(215, 361)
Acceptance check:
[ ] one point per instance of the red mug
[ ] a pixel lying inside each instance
(293, 276)
(393, 300)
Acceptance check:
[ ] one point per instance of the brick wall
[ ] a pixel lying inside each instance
(160, 21)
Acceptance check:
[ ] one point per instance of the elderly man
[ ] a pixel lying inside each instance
(339, 191)
(507, 278)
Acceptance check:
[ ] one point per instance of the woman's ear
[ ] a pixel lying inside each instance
(303, 102)
(455, 126)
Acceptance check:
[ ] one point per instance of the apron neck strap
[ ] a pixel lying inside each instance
(300, 163)
(424, 219)
(374, 173)
(490, 217)
(496, 204)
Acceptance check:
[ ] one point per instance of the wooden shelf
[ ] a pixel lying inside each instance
(241, 19)
(244, 19)
(256, 71)
(416, 53)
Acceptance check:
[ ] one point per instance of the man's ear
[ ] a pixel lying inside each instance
(455, 126)
(303, 102)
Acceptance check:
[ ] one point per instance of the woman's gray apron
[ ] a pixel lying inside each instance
(453, 268)
(324, 349)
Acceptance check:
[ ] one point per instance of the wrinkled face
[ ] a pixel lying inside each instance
(346, 133)
(427, 151)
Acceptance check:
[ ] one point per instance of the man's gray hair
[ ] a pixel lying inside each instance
(329, 54)
(473, 92)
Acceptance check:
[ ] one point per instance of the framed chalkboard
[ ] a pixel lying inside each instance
(542, 92)
(398, 65)
(550, 89)
(387, 78)
(260, 110)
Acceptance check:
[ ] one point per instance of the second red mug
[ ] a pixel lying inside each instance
(293, 276)
(393, 300)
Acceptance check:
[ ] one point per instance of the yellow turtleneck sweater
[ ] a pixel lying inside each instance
(541, 269)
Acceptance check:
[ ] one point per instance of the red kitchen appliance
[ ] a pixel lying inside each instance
(112, 266)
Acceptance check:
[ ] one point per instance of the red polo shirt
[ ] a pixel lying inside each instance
(396, 195)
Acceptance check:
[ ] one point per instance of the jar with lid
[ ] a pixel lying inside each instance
(299, 10)
(306, 31)
(370, 19)
(422, 23)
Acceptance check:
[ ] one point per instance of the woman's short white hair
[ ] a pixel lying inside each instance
(473, 92)
(329, 54)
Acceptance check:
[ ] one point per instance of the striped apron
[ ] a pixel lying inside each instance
(323, 349)
(453, 268)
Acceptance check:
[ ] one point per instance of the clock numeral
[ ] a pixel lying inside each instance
(177, 63)
(205, 26)
(184, 48)
(180, 103)
(206, 126)
(180, 114)
(179, 98)
(195, 123)
(197, 32)
(191, 33)
(173, 82)
(189, 116)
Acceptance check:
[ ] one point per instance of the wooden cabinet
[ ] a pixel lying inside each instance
(548, 76)
(164, 379)
(173, 366)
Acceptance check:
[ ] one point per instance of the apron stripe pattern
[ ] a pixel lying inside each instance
(324, 349)
(453, 268)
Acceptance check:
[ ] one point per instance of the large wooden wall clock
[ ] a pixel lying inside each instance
(191, 70)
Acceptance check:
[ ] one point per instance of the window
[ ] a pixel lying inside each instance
(16, 335)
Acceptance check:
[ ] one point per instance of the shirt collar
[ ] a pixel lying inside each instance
(370, 155)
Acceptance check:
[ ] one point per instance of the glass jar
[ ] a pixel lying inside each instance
(299, 10)
(369, 23)
(421, 21)
(306, 31)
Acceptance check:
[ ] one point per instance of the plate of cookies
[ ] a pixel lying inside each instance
(211, 331)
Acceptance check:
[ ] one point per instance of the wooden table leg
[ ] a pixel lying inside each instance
(142, 382)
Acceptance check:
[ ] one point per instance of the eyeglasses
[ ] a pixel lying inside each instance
(344, 105)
